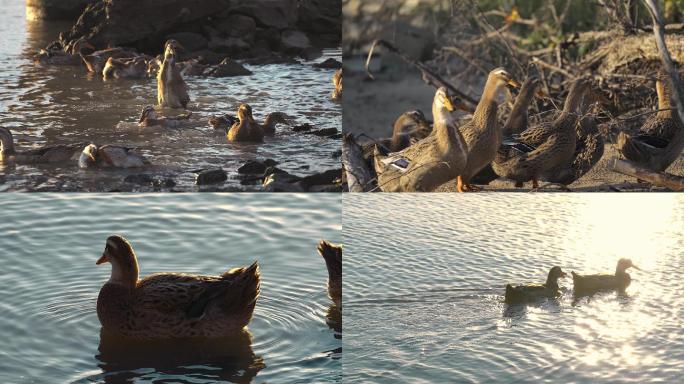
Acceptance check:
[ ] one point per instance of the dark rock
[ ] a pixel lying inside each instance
(236, 25)
(256, 166)
(278, 14)
(211, 176)
(139, 179)
(55, 9)
(325, 132)
(329, 64)
(206, 56)
(277, 180)
(337, 154)
(331, 176)
(164, 183)
(321, 18)
(268, 36)
(228, 68)
(189, 40)
(294, 41)
(311, 53)
(231, 45)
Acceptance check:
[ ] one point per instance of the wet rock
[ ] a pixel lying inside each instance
(139, 179)
(321, 17)
(294, 41)
(211, 176)
(231, 45)
(256, 166)
(329, 64)
(302, 128)
(206, 56)
(189, 40)
(278, 14)
(164, 183)
(327, 178)
(228, 68)
(337, 154)
(311, 53)
(278, 180)
(236, 25)
(325, 132)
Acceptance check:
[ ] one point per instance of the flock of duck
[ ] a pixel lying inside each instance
(179, 305)
(172, 92)
(583, 284)
(562, 147)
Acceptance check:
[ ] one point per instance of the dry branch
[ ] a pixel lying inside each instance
(359, 178)
(662, 179)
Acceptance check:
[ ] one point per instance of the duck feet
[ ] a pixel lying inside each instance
(465, 187)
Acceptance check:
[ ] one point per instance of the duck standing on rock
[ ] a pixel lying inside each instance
(48, 154)
(172, 91)
(173, 305)
(482, 134)
(332, 254)
(110, 156)
(588, 284)
(533, 292)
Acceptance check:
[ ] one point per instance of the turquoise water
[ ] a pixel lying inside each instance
(49, 285)
(424, 279)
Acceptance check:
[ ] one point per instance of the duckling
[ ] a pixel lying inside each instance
(172, 91)
(149, 118)
(533, 292)
(660, 140)
(172, 305)
(333, 260)
(482, 134)
(134, 68)
(70, 55)
(337, 82)
(587, 284)
(531, 161)
(246, 129)
(48, 154)
(430, 162)
(110, 156)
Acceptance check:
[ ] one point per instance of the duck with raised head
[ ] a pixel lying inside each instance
(660, 140)
(129, 68)
(332, 254)
(534, 159)
(533, 292)
(149, 118)
(172, 91)
(246, 129)
(172, 305)
(482, 134)
(337, 83)
(587, 284)
(110, 156)
(430, 162)
(70, 55)
(48, 154)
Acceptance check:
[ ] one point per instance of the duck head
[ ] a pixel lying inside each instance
(501, 77)
(623, 265)
(119, 253)
(575, 98)
(147, 113)
(6, 143)
(245, 113)
(88, 157)
(554, 274)
(443, 101)
(171, 50)
(109, 68)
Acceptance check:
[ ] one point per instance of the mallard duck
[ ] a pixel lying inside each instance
(172, 91)
(534, 292)
(660, 140)
(482, 134)
(70, 55)
(246, 129)
(48, 154)
(337, 82)
(430, 162)
(517, 120)
(95, 62)
(333, 260)
(409, 126)
(542, 149)
(592, 283)
(173, 305)
(149, 118)
(110, 156)
(134, 68)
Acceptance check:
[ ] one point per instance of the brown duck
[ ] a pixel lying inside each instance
(130, 68)
(533, 292)
(110, 156)
(149, 118)
(173, 305)
(337, 83)
(47, 154)
(587, 284)
(332, 254)
(172, 91)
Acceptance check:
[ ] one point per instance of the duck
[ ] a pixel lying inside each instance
(660, 140)
(69, 55)
(542, 149)
(133, 68)
(110, 156)
(409, 128)
(48, 154)
(430, 162)
(534, 292)
(172, 91)
(223, 122)
(95, 62)
(332, 254)
(149, 118)
(172, 305)
(337, 83)
(518, 119)
(587, 284)
(246, 129)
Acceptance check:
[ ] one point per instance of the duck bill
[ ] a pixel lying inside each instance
(103, 259)
(637, 268)
(563, 274)
(513, 83)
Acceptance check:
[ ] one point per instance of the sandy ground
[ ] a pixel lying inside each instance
(370, 107)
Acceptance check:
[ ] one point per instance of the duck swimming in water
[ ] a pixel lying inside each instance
(226, 121)
(332, 254)
(246, 129)
(534, 292)
(95, 62)
(134, 68)
(149, 118)
(48, 154)
(587, 284)
(110, 156)
(172, 91)
(173, 305)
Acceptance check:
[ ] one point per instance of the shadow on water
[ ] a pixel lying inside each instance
(221, 359)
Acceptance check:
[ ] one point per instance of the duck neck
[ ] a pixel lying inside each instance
(6, 143)
(552, 283)
(517, 120)
(486, 108)
(573, 101)
(125, 275)
(444, 126)
(269, 122)
(664, 95)
(620, 271)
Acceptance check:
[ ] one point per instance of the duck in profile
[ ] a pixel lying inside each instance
(534, 292)
(409, 127)
(149, 118)
(332, 254)
(134, 68)
(246, 129)
(110, 156)
(660, 140)
(47, 154)
(588, 284)
(173, 305)
(430, 162)
(225, 122)
(337, 82)
(172, 91)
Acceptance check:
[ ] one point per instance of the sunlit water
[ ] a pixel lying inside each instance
(49, 285)
(425, 275)
(61, 104)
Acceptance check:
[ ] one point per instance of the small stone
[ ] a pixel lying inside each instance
(329, 64)
(211, 176)
(256, 166)
(325, 132)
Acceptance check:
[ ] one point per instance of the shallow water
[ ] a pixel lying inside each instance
(49, 285)
(424, 282)
(61, 104)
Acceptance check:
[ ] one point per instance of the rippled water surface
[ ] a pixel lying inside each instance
(62, 104)
(49, 285)
(425, 276)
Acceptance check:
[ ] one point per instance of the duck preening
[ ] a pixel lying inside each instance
(172, 91)
(149, 118)
(533, 292)
(587, 284)
(47, 154)
(332, 254)
(173, 305)
(110, 156)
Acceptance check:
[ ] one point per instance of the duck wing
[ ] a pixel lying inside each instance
(595, 282)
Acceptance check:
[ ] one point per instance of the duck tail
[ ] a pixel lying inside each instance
(245, 288)
(632, 149)
(332, 254)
